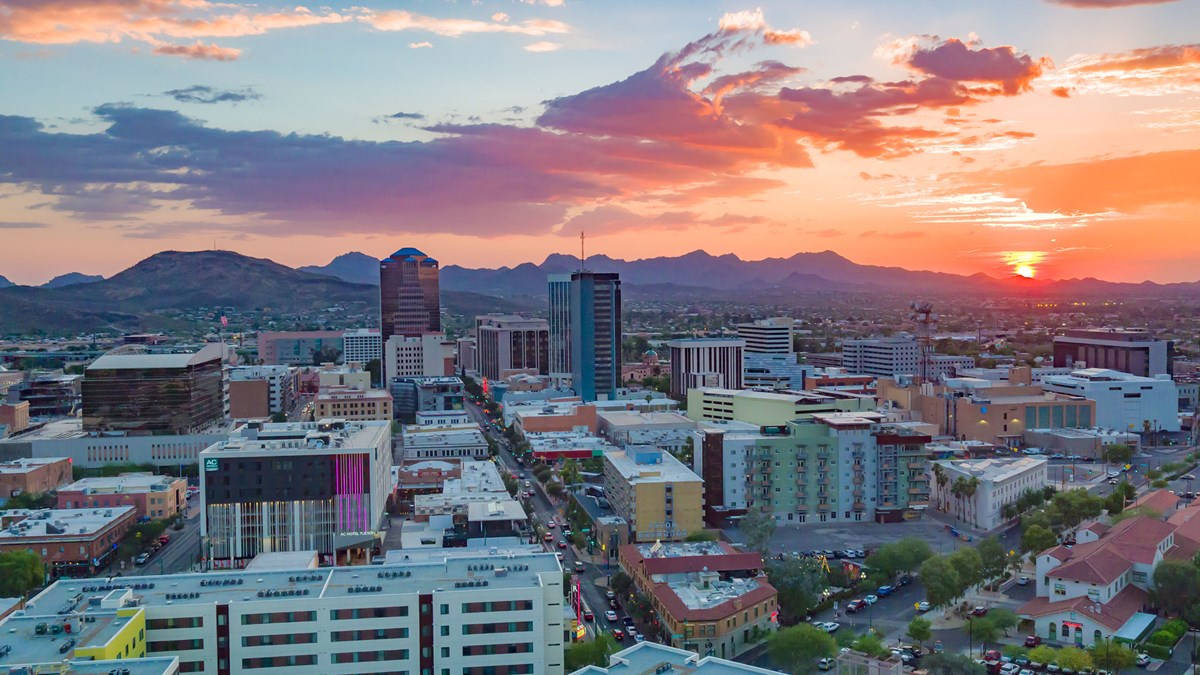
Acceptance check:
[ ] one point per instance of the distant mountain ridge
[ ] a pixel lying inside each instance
(355, 267)
(72, 279)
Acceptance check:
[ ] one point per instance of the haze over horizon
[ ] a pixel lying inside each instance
(1051, 139)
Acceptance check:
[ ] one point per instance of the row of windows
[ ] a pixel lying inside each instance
(279, 661)
(175, 622)
(519, 669)
(496, 606)
(174, 645)
(506, 627)
(375, 634)
(489, 650)
(278, 639)
(366, 657)
(278, 617)
(367, 612)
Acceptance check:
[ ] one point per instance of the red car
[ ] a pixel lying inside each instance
(979, 611)
(618, 634)
(588, 616)
(855, 605)
(562, 544)
(1032, 640)
(992, 656)
(548, 537)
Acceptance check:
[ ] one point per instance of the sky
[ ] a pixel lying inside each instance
(1046, 138)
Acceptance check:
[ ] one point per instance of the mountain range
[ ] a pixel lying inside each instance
(68, 279)
(135, 299)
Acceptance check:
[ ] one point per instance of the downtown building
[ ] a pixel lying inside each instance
(705, 362)
(409, 308)
(259, 391)
(896, 356)
(1128, 350)
(1124, 402)
(997, 482)
(463, 611)
(829, 467)
(505, 343)
(296, 486)
(595, 334)
(559, 326)
(657, 495)
(300, 348)
(143, 393)
(768, 336)
(362, 346)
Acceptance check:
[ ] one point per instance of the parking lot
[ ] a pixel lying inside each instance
(834, 536)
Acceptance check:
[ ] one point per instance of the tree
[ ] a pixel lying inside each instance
(278, 417)
(904, 555)
(1073, 658)
(590, 653)
(620, 583)
(1115, 503)
(1043, 654)
(1176, 586)
(920, 629)
(1112, 656)
(1117, 453)
(993, 558)
(940, 477)
(981, 629)
(20, 572)
(326, 354)
(871, 645)
(554, 489)
(951, 664)
(1003, 619)
(701, 535)
(31, 500)
(570, 472)
(941, 581)
(799, 647)
(1037, 539)
(757, 527)
(799, 582)
(969, 567)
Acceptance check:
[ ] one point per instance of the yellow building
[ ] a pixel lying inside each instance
(655, 493)
(352, 404)
(770, 408)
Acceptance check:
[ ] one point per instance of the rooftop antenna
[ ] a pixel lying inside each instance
(582, 257)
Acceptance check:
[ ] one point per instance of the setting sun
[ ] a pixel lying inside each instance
(1024, 263)
(1025, 271)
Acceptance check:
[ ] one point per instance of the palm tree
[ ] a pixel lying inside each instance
(959, 489)
(968, 492)
(939, 475)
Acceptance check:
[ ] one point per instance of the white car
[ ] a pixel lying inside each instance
(923, 606)
(610, 615)
(638, 637)
(1023, 581)
(871, 599)
(610, 595)
(1143, 659)
(829, 626)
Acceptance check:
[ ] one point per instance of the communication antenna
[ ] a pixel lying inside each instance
(926, 320)
(582, 257)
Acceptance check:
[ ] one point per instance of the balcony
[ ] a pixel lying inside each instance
(920, 465)
(858, 479)
(824, 506)
(859, 506)
(918, 491)
(803, 508)
(858, 494)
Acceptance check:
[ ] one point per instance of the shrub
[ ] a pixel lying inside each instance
(1157, 651)
(1164, 638)
(1176, 627)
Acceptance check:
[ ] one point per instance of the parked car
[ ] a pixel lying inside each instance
(1143, 659)
(923, 606)
(1023, 581)
(610, 595)
(885, 590)
(825, 664)
(855, 605)
(871, 598)
(829, 626)
(638, 637)
(992, 655)
(1021, 661)
(618, 634)
(142, 558)
(1032, 640)
(610, 615)
(979, 610)
(938, 647)
(903, 580)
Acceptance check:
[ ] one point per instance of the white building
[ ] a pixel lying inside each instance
(296, 486)
(456, 611)
(729, 442)
(645, 656)
(895, 356)
(667, 430)
(443, 441)
(361, 345)
(560, 327)
(999, 481)
(768, 336)
(350, 374)
(1123, 402)
(427, 355)
(66, 438)
(506, 342)
(774, 371)
(706, 362)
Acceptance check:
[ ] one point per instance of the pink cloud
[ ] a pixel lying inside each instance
(1000, 66)
(400, 20)
(200, 51)
(1107, 4)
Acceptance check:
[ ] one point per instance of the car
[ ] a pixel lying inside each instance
(551, 524)
(1053, 668)
(825, 664)
(979, 610)
(855, 605)
(1188, 476)
(547, 537)
(567, 532)
(830, 626)
(609, 594)
(938, 647)
(924, 606)
(1032, 640)
(1113, 473)
(628, 621)
(1032, 451)
(618, 634)
(588, 615)
(638, 637)
(849, 553)
(1009, 668)
(992, 655)
(1021, 661)
(1037, 665)
(1023, 581)
(142, 558)
(1026, 671)
(870, 598)
(1113, 481)
(612, 602)
(562, 544)
(578, 566)
(1058, 455)
(610, 615)
(1143, 659)
(885, 590)
(903, 580)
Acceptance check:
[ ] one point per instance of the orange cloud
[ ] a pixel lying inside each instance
(200, 51)
(1148, 71)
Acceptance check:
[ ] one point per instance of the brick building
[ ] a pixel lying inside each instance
(152, 496)
(71, 542)
(33, 474)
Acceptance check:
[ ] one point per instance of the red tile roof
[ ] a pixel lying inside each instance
(1162, 502)
(1187, 524)
(1134, 540)
(1097, 527)
(1112, 614)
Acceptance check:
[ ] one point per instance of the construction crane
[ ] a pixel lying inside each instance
(922, 314)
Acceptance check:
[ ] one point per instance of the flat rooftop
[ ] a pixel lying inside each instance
(632, 418)
(442, 436)
(27, 464)
(22, 524)
(111, 361)
(681, 549)
(30, 648)
(994, 468)
(849, 419)
(700, 591)
(424, 574)
(667, 470)
(126, 482)
(319, 435)
(72, 427)
(646, 658)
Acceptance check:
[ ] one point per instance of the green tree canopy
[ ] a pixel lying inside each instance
(1036, 539)
(919, 629)
(969, 566)
(1176, 586)
(757, 527)
(871, 645)
(993, 558)
(981, 629)
(941, 581)
(904, 555)
(951, 664)
(799, 582)
(1074, 658)
(798, 648)
(20, 572)
(1043, 654)
(590, 653)
(1112, 656)
(1003, 619)
(1117, 453)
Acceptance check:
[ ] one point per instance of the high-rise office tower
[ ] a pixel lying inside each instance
(595, 334)
(409, 303)
(560, 325)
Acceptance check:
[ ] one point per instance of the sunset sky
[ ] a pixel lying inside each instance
(1048, 138)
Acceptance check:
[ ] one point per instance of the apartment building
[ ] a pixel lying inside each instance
(254, 392)
(996, 482)
(70, 541)
(706, 362)
(655, 493)
(770, 408)
(414, 395)
(844, 467)
(33, 475)
(711, 598)
(296, 486)
(352, 404)
(362, 345)
(425, 355)
(151, 496)
(465, 611)
(768, 336)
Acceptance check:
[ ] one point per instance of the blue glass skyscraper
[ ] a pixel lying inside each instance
(595, 334)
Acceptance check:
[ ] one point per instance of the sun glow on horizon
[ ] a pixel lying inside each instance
(1024, 263)
(1026, 271)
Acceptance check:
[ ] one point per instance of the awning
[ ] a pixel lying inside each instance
(1138, 625)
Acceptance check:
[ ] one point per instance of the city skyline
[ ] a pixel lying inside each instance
(1033, 139)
